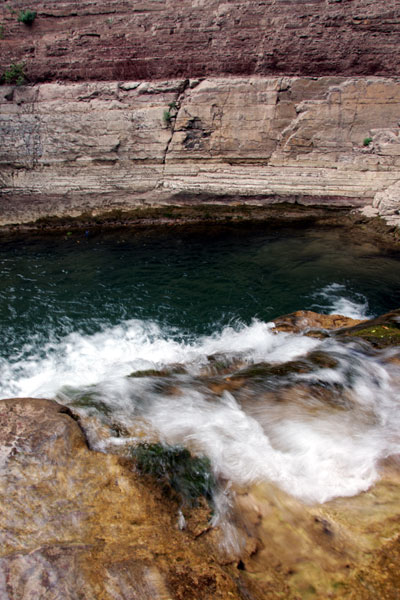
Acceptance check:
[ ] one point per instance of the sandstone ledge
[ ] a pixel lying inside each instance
(93, 147)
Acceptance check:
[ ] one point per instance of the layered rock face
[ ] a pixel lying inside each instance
(156, 39)
(91, 147)
(240, 125)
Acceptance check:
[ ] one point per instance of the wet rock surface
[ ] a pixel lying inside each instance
(381, 332)
(79, 524)
(346, 548)
(307, 321)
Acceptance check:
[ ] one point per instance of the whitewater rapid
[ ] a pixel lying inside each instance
(311, 448)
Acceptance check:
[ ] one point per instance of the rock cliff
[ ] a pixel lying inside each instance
(270, 100)
(69, 148)
(165, 39)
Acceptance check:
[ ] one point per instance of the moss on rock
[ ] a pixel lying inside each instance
(175, 469)
(382, 332)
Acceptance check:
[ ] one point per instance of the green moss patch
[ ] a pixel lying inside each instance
(149, 373)
(176, 470)
(92, 404)
(380, 336)
(312, 362)
(158, 372)
(382, 332)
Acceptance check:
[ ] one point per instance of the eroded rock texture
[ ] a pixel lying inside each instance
(154, 39)
(74, 148)
(79, 524)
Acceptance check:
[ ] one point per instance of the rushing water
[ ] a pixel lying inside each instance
(79, 314)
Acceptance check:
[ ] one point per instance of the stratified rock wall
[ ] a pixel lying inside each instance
(78, 147)
(271, 100)
(155, 39)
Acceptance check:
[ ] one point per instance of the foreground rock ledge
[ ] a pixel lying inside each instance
(78, 524)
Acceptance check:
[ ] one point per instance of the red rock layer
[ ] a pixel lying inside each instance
(153, 39)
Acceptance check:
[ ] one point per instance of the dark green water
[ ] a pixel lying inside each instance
(196, 280)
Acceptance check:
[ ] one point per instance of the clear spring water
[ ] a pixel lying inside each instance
(80, 314)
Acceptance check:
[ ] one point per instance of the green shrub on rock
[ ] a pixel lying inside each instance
(167, 117)
(14, 74)
(27, 16)
(171, 113)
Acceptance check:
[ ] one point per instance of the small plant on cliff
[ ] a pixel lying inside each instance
(367, 141)
(171, 113)
(27, 17)
(167, 117)
(176, 470)
(1, 31)
(14, 74)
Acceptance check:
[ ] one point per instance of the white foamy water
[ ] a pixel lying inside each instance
(82, 360)
(313, 445)
(336, 296)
